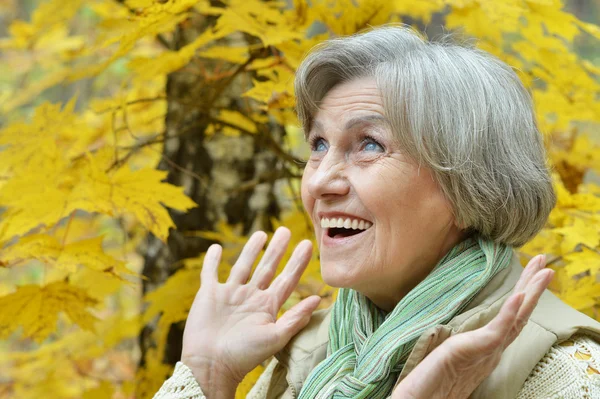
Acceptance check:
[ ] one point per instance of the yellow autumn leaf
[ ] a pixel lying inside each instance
(277, 91)
(248, 382)
(581, 293)
(237, 119)
(584, 261)
(169, 61)
(97, 284)
(140, 193)
(103, 391)
(150, 377)
(555, 20)
(580, 232)
(29, 364)
(592, 29)
(235, 55)
(345, 17)
(21, 194)
(222, 232)
(422, 10)
(476, 22)
(545, 242)
(49, 250)
(36, 309)
(173, 299)
(258, 18)
(50, 123)
(56, 382)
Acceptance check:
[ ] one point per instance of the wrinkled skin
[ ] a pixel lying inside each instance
(233, 327)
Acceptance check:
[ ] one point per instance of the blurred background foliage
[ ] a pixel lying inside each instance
(134, 134)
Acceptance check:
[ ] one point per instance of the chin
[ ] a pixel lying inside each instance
(334, 277)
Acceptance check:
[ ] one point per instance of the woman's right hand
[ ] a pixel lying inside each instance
(233, 327)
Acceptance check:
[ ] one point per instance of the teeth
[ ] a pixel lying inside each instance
(345, 223)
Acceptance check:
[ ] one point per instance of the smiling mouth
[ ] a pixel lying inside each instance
(340, 232)
(338, 228)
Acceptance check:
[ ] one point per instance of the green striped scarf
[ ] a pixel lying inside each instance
(367, 349)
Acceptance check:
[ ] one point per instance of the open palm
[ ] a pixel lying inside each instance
(233, 327)
(456, 368)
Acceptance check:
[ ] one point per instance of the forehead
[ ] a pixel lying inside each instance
(356, 94)
(358, 101)
(350, 104)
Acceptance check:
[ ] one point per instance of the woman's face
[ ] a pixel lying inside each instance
(358, 172)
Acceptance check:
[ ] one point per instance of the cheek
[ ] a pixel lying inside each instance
(307, 200)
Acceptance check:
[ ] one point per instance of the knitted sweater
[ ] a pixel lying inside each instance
(569, 370)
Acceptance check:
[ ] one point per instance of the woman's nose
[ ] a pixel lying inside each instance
(328, 181)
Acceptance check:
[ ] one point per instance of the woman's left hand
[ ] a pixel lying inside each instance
(455, 369)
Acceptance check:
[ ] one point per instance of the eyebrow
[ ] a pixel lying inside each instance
(354, 121)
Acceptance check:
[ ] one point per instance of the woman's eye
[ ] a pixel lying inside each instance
(319, 145)
(372, 145)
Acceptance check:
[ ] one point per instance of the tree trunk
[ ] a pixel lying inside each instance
(210, 172)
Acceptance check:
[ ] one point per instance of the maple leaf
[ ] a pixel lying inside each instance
(47, 249)
(21, 194)
(36, 309)
(257, 18)
(580, 232)
(584, 261)
(140, 192)
(237, 119)
(581, 293)
(173, 299)
(277, 91)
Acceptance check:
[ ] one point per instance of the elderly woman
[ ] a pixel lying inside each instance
(426, 170)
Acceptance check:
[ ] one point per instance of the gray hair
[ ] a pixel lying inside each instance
(456, 109)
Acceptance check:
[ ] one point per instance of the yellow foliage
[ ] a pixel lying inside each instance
(104, 390)
(173, 299)
(36, 309)
(139, 192)
(261, 19)
(47, 249)
(79, 188)
(580, 232)
(248, 381)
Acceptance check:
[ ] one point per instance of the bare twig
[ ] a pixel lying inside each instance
(228, 81)
(267, 177)
(132, 102)
(264, 135)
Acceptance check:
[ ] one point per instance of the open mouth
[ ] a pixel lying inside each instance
(340, 232)
(339, 228)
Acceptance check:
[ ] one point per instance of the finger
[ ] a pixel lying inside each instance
(501, 325)
(286, 282)
(536, 264)
(210, 266)
(295, 319)
(532, 295)
(243, 266)
(268, 264)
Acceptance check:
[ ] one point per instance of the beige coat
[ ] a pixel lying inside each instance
(552, 322)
